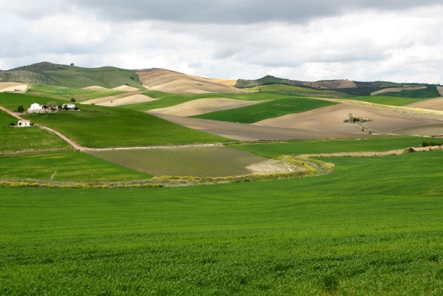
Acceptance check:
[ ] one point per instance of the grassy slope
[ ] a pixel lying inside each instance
(26, 138)
(78, 77)
(295, 90)
(67, 166)
(96, 126)
(67, 93)
(429, 92)
(339, 233)
(270, 109)
(168, 100)
(109, 77)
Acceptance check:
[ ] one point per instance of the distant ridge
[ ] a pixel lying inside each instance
(175, 82)
(71, 76)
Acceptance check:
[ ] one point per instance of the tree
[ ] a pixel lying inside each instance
(20, 109)
(73, 100)
(52, 105)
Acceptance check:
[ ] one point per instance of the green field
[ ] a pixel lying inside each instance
(167, 100)
(68, 93)
(26, 138)
(387, 100)
(295, 90)
(96, 126)
(373, 227)
(201, 162)
(429, 92)
(270, 109)
(65, 166)
(332, 146)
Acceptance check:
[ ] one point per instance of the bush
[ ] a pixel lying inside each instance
(21, 109)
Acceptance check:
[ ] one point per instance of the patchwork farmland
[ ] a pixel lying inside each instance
(305, 202)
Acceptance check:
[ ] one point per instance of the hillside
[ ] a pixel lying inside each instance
(348, 87)
(71, 76)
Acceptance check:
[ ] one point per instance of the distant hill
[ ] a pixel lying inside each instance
(71, 76)
(175, 82)
(354, 88)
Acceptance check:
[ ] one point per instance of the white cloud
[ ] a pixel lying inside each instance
(361, 40)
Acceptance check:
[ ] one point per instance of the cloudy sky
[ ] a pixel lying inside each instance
(396, 40)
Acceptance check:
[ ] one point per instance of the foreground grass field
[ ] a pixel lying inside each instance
(373, 227)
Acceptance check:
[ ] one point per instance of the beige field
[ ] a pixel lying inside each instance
(331, 119)
(247, 132)
(175, 82)
(125, 88)
(202, 106)
(94, 87)
(440, 90)
(120, 100)
(13, 87)
(396, 89)
(432, 104)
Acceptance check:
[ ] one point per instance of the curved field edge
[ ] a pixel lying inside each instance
(307, 168)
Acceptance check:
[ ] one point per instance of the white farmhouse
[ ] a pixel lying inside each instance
(24, 123)
(68, 106)
(35, 108)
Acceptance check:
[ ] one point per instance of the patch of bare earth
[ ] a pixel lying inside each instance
(94, 87)
(13, 87)
(175, 82)
(247, 132)
(440, 90)
(120, 100)
(433, 104)
(331, 119)
(272, 166)
(202, 106)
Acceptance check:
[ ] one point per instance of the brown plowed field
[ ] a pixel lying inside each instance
(433, 104)
(330, 119)
(178, 83)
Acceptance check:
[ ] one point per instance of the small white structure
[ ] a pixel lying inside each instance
(35, 108)
(68, 106)
(24, 123)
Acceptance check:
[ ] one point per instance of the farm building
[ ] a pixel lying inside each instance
(68, 106)
(24, 123)
(35, 108)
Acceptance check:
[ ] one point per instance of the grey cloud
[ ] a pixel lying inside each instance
(236, 12)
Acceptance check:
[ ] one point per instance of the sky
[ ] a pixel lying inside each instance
(364, 40)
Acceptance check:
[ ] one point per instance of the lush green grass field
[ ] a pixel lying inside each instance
(374, 227)
(270, 109)
(167, 100)
(429, 92)
(333, 146)
(96, 126)
(387, 100)
(65, 166)
(26, 138)
(201, 162)
(295, 90)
